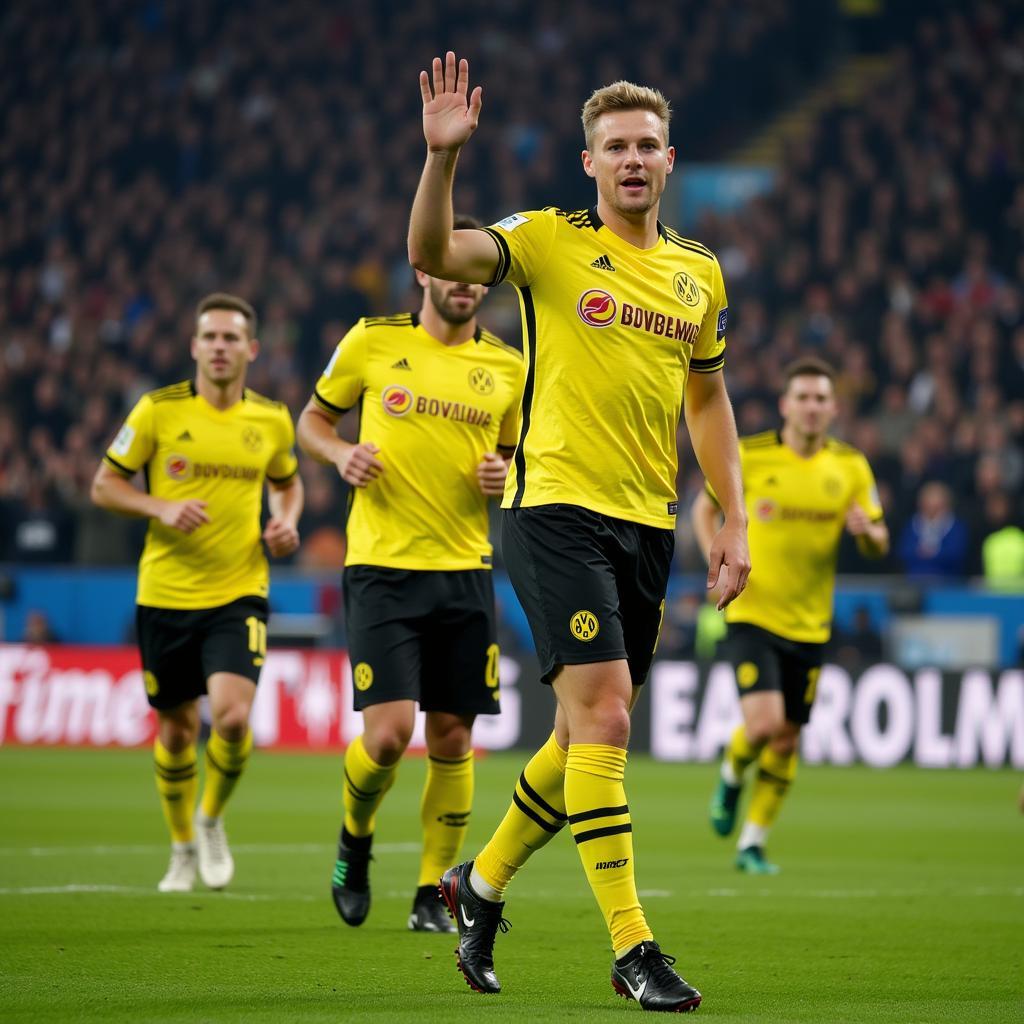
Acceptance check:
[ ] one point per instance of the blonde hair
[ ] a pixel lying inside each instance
(624, 96)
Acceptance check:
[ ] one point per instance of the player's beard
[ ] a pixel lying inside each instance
(447, 311)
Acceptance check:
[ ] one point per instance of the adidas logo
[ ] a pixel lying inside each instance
(603, 263)
(402, 364)
(771, 482)
(184, 436)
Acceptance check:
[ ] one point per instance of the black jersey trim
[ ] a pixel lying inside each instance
(114, 464)
(688, 243)
(530, 320)
(493, 339)
(708, 365)
(397, 320)
(181, 390)
(338, 410)
(504, 258)
(283, 479)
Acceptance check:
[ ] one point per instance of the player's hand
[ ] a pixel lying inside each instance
(281, 537)
(449, 119)
(857, 520)
(728, 563)
(491, 473)
(184, 515)
(360, 466)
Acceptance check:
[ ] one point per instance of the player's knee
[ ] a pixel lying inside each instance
(785, 743)
(176, 735)
(386, 742)
(451, 744)
(605, 722)
(762, 730)
(232, 722)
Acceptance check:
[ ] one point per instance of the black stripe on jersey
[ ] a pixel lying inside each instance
(507, 450)
(530, 317)
(838, 447)
(766, 439)
(328, 406)
(184, 389)
(398, 320)
(582, 218)
(708, 365)
(688, 243)
(493, 339)
(504, 258)
(255, 396)
(114, 464)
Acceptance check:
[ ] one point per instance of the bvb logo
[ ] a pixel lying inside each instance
(481, 381)
(746, 674)
(252, 439)
(686, 289)
(150, 682)
(833, 486)
(397, 400)
(584, 626)
(363, 676)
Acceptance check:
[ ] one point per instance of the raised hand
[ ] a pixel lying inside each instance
(449, 118)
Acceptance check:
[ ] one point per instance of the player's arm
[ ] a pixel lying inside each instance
(114, 492)
(872, 536)
(706, 517)
(491, 472)
(317, 434)
(285, 499)
(449, 119)
(712, 427)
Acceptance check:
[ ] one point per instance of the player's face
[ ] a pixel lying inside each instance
(630, 160)
(455, 303)
(222, 347)
(808, 405)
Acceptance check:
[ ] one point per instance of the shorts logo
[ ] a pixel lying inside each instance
(150, 682)
(686, 289)
(584, 626)
(746, 674)
(363, 676)
(252, 439)
(178, 467)
(766, 510)
(597, 308)
(481, 380)
(397, 400)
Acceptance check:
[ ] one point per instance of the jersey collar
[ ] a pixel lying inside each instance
(596, 223)
(477, 334)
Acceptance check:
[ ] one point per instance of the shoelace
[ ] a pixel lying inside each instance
(659, 964)
(217, 841)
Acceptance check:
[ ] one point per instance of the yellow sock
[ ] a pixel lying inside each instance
(225, 762)
(537, 813)
(444, 812)
(774, 775)
(595, 800)
(366, 783)
(177, 779)
(740, 755)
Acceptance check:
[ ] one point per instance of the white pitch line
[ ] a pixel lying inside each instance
(138, 890)
(272, 848)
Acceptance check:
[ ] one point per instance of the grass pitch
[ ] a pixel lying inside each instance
(901, 900)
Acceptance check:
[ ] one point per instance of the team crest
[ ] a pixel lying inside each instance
(397, 401)
(833, 486)
(252, 439)
(686, 289)
(178, 467)
(151, 683)
(481, 380)
(597, 308)
(362, 674)
(746, 674)
(584, 626)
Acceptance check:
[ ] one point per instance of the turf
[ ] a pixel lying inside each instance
(901, 900)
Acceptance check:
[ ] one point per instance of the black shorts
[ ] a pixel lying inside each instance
(422, 635)
(592, 587)
(767, 662)
(182, 648)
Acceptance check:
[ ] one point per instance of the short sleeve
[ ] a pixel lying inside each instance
(344, 377)
(709, 350)
(283, 465)
(524, 243)
(136, 440)
(866, 490)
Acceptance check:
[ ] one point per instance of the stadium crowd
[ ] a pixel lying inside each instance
(151, 154)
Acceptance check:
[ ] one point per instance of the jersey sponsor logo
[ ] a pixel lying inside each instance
(686, 289)
(603, 263)
(746, 674)
(663, 324)
(514, 221)
(397, 400)
(178, 467)
(362, 676)
(597, 308)
(584, 626)
(481, 380)
(402, 364)
(252, 439)
(723, 322)
(123, 442)
(457, 411)
(604, 865)
(766, 510)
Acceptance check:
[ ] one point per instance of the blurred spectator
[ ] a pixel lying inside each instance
(38, 629)
(859, 645)
(1002, 550)
(934, 542)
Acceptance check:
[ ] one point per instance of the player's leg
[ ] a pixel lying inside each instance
(759, 680)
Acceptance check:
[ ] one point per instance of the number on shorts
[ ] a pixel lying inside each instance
(812, 685)
(257, 635)
(491, 672)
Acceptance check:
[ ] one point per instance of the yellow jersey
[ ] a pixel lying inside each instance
(796, 510)
(188, 449)
(610, 332)
(433, 410)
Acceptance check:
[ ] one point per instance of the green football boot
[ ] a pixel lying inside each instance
(723, 807)
(752, 861)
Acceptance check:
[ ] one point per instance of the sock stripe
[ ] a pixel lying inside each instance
(451, 760)
(360, 794)
(533, 816)
(597, 812)
(176, 773)
(599, 833)
(177, 777)
(539, 800)
(767, 776)
(224, 771)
